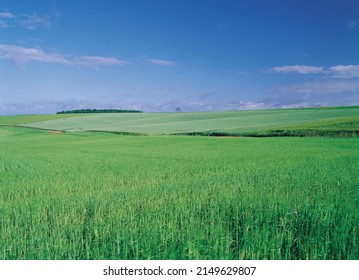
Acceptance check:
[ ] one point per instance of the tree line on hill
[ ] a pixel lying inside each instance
(87, 111)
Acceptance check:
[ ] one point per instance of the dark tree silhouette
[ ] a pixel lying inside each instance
(87, 111)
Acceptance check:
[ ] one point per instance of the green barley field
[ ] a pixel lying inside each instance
(211, 123)
(68, 192)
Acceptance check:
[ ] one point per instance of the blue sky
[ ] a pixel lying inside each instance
(156, 55)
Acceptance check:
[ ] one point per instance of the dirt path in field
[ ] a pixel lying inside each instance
(55, 132)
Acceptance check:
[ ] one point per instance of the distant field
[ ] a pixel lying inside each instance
(231, 123)
(21, 119)
(100, 195)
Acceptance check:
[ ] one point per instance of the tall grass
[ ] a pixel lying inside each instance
(104, 196)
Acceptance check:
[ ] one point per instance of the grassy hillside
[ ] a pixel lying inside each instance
(86, 195)
(105, 196)
(211, 123)
(21, 119)
(343, 127)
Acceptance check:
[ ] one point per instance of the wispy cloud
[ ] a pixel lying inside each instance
(351, 24)
(96, 61)
(300, 69)
(160, 62)
(338, 71)
(30, 22)
(53, 105)
(5, 19)
(335, 85)
(345, 71)
(35, 21)
(327, 86)
(41, 106)
(22, 56)
(248, 105)
(223, 26)
(4, 24)
(6, 15)
(241, 73)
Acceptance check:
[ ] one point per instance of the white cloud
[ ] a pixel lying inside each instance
(41, 106)
(241, 73)
(336, 85)
(6, 15)
(4, 24)
(300, 69)
(329, 86)
(30, 22)
(339, 71)
(351, 24)
(34, 21)
(21, 56)
(160, 62)
(248, 105)
(5, 19)
(345, 71)
(95, 61)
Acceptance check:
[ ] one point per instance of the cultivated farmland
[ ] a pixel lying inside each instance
(87, 195)
(232, 122)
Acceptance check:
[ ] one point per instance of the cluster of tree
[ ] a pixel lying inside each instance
(83, 111)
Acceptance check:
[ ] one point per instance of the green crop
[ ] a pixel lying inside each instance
(211, 123)
(106, 196)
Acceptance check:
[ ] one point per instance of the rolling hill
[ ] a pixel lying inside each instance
(302, 122)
